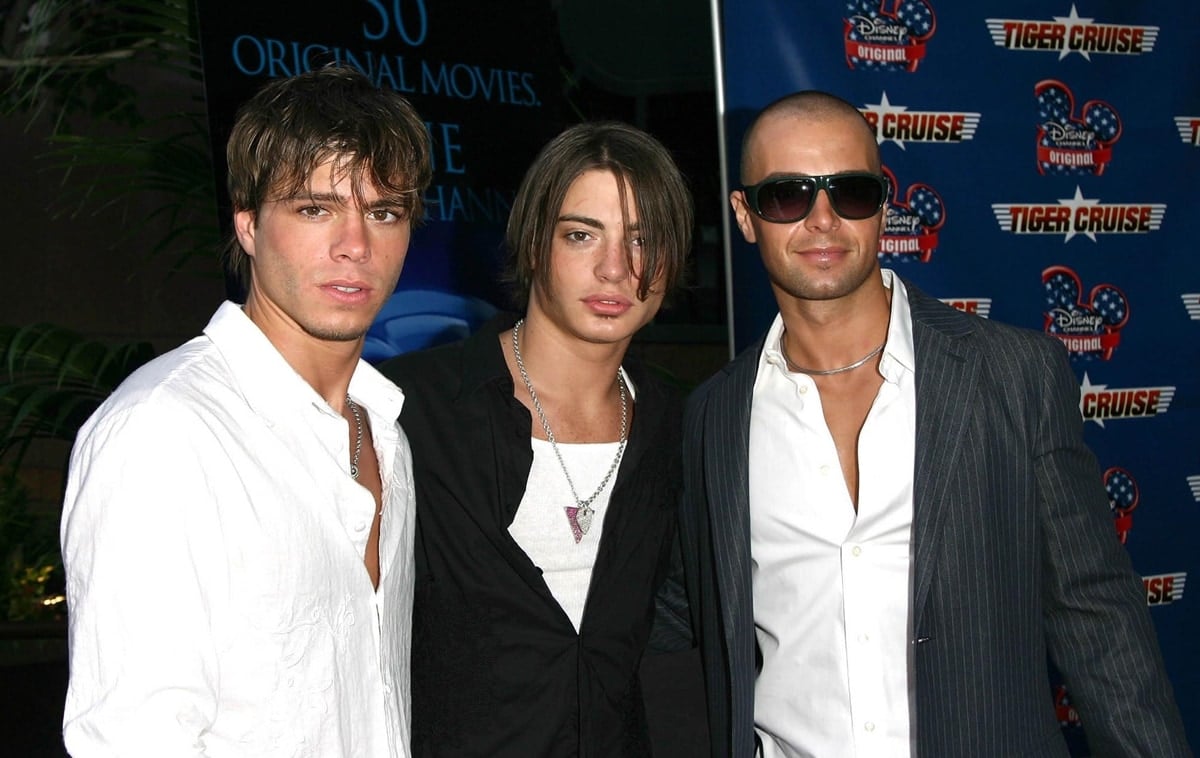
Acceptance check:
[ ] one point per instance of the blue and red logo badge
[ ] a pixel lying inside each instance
(1088, 324)
(1123, 496)
(912, 220)
(1070, 145)
(887, 36)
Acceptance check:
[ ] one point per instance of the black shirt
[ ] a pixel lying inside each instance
(498, 668)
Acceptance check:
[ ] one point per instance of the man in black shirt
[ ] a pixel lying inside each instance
(546, 468)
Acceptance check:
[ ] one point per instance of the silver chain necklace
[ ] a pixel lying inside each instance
(828, 371)
(580, 515)
(358, 432)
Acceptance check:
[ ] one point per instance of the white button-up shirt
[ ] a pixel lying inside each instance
(213, 540)
(831, 586)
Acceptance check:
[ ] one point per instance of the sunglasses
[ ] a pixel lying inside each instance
(786, 199)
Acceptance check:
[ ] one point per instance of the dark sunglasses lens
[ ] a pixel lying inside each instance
(786, 200)
(856, 197)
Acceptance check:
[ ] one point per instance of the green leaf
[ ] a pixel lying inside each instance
(52, 379)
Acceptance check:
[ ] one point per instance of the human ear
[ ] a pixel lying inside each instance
(244, 227)
(741, 213)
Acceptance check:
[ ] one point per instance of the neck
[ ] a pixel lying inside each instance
(577, 414)
(821, 335)
(561, 362)
(326, 365)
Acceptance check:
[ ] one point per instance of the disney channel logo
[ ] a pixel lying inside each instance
(1088, 324)
(883, 35)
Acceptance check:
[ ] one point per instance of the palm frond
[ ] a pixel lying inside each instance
(63, 59)
(52, 379)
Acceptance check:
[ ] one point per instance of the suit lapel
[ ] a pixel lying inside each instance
(946, 373)
(727, 471)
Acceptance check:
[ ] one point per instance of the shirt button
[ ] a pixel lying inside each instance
(360, 526)
(864, 638)
(869, 726)
(857, 551)
(802, 389)
(824, 470)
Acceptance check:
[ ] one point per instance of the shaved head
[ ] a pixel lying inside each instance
(809, 105)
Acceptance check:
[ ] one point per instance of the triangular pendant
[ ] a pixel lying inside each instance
(579, 519)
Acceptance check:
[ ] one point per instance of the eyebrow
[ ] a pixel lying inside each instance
(317, 197)
(589, 221)
(331, 197)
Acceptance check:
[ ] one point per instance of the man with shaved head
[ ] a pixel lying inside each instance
(891, 521)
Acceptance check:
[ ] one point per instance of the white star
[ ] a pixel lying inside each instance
(1075, 203)
(1084, 389)
(1071, 22)
(883, 108)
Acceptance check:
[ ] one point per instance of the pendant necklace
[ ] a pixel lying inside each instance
(579, 516)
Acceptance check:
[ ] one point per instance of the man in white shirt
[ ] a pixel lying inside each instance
(238, 523)
(890, 518)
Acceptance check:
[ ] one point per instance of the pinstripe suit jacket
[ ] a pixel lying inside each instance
(1015, 556)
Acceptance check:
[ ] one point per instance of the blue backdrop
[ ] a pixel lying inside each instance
(489, 104)
(1044, 161)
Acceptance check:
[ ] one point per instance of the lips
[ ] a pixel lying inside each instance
(822, 253)
(608, 305)
(347, 291)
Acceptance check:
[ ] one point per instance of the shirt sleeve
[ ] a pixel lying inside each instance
(1098, 627)
(138, 537)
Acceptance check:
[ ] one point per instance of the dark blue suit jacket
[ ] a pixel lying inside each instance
(1016, 557)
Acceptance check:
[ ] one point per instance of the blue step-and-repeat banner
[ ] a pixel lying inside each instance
(1045, 168)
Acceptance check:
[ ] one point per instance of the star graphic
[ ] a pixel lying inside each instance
(1071, 22)
(1075, 203)
(883, 108)
(1084, 389)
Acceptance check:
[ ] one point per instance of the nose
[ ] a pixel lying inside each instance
(352, 240)
(822, 216)
(613, 265)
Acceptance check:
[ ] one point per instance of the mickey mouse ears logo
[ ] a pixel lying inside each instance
(914, 217)
(887, 36)
(1123, 497)
(1070, 145)
(1088, 325)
